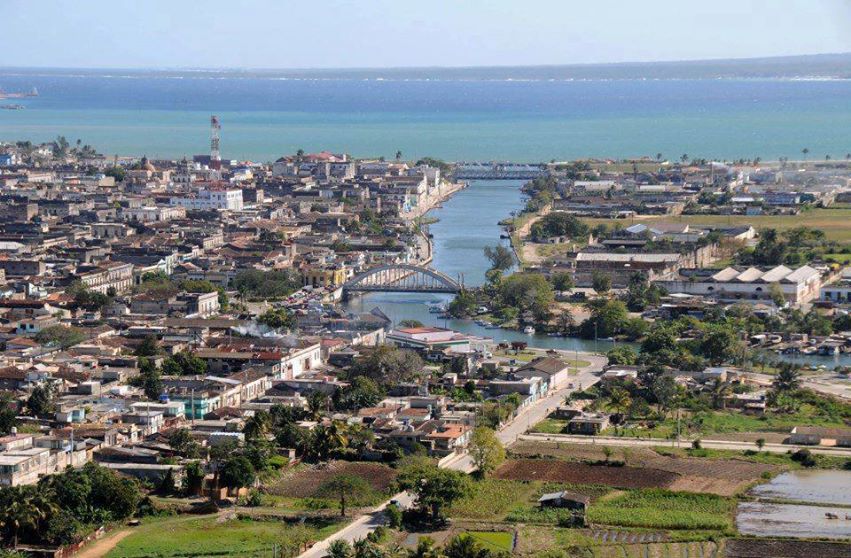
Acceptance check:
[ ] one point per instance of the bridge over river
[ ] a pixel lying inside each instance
(402, 278)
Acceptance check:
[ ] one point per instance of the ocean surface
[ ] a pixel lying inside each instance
(491, 117)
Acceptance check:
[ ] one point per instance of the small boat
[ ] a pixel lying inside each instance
(492, 326)
(529, 330)
(436, 309)
(481, 323)
(830, 515)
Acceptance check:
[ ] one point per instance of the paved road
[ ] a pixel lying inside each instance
(733, 445)
(365, 524)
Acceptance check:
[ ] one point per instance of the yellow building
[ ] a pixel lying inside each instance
(326, 277)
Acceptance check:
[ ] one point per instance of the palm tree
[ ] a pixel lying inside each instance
(25, 511)
(398, 155)
(658, 156)
(805, 152)
(316, 403)
(720, 391)
(257, 426)
(827, 157)
(788, 377)
(684, 157)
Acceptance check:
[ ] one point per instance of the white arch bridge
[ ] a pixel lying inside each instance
(403, 278)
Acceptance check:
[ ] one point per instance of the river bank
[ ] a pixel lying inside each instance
(433, 199)
(466, 223)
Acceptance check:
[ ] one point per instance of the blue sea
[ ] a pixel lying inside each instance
(266, 115)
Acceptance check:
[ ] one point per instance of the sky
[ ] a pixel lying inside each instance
(284, 34)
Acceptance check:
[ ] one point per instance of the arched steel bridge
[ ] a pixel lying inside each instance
(403, 278)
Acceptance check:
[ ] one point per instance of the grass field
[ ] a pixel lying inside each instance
(493, 499)
(833, 221)
(706, 423)
(663, 509)
(494, 540)
(210, 536)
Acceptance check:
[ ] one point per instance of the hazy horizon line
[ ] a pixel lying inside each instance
(779, 58)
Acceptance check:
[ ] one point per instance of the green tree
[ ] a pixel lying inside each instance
(434, 488)
(338, 548)
(788, 378)
(501, 257)
(622, 355)
(601, 282)
(40, 402)
(720, 391)
(183, 443)
(346, 488)
(193, 478)
(361, 392)
(277, 318)
(463, 305)
(184, 363)
(411, 323)
(60, 336)
(388, 365)
(257, 426)
(237, 472)
(8, 413)
(720, 344)
(619, 400)
(148, 347)
(562, 281)
(528, 292)
(486, 450)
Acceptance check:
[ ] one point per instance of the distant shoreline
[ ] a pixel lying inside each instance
(804, 67)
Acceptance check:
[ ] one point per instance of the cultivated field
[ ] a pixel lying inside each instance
(554, 470)
(750, 548)
(724, 477)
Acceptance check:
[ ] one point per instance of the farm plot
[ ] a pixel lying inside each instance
(724, 477)
(553, 470)
(750, 548)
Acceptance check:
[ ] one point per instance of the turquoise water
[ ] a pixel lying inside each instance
(536, 120)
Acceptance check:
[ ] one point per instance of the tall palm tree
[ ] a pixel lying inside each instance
(720, 391)
(805, 151)
(620, 401)
(788, 377)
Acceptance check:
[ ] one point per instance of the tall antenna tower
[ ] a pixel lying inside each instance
(215, 156)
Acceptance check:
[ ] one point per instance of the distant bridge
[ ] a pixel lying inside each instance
(402, 278)
(506, 171)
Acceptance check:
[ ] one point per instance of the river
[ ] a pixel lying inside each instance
(467, 223)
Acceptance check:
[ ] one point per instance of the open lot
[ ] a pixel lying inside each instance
(301, 488)
(833, 221)
(554, 470)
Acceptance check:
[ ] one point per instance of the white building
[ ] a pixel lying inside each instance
(798, 285)
(211, 199)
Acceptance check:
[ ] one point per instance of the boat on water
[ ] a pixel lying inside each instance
(529, 330)
(492, 326)
(436, 309)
